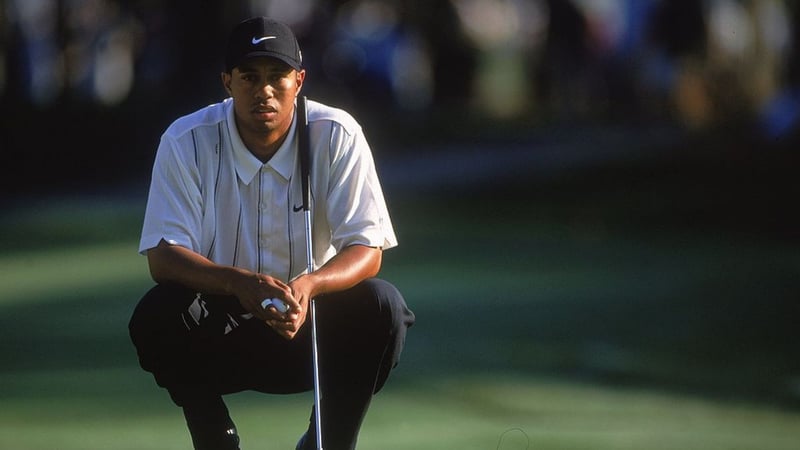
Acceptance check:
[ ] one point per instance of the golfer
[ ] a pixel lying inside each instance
(224, 231)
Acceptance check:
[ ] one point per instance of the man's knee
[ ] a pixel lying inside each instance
(156, 328)
(393, 320)
(391, 304)
(156, 309)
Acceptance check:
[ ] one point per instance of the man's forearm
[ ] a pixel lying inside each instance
(173, 263)
(348, 268)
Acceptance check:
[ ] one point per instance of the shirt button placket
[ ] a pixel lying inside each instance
(266, 200)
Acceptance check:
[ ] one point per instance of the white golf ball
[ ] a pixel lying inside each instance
(277, 303)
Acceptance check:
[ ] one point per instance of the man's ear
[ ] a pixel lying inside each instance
(226, 82)
(301, 77)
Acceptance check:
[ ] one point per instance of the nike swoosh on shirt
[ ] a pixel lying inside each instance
(262, 39)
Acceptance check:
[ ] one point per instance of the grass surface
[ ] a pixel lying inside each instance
(559, 318)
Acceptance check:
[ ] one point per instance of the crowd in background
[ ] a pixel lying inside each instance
(698, 61)
(100, 65)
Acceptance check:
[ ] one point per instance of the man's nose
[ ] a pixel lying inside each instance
(264, 91)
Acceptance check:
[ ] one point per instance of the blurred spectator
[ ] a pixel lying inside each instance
(100, 50)
(780, 117)
(673, 74)
(4, 44)
(40, 61)
(747, 49)
(452, 54)
(565, 65)
(505, 33)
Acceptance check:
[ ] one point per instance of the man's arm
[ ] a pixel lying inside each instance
(173, 263)
(347, 268)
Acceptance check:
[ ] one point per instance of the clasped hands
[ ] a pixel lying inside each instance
(258, 287)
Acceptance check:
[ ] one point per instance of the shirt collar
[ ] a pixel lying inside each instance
(247, 165)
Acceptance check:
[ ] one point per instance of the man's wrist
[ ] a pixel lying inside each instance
(232, 278)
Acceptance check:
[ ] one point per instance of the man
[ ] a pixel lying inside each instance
(223, 231)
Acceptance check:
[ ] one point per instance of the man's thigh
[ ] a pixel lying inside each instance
(196, 345)
(257, 358)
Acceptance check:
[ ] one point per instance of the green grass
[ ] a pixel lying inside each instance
(561, 323)
(122, 410)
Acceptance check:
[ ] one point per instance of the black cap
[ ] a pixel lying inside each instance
(261, 36)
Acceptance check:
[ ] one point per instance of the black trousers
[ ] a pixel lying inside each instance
(200, 348)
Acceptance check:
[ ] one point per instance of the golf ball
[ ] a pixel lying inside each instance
(277, 303)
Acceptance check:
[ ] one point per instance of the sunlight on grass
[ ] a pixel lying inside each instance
(37, 275)
(474, 412)
(471, 413)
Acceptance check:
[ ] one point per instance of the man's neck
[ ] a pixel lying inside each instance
(263, 148)
(262, 145)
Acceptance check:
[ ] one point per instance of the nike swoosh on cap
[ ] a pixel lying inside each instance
(262, 39)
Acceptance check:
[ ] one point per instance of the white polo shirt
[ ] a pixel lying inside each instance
(208, 193)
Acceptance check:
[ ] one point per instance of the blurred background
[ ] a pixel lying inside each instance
(102, 78)
(596, 203)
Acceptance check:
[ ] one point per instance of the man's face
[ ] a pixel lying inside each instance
(263, 91)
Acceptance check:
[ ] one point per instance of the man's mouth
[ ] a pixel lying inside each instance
(264, 109)
(264, 112)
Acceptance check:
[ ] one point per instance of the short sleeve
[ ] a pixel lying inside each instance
(357, 211)
(174, 203)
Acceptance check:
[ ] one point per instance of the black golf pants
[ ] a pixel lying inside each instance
(200, 348)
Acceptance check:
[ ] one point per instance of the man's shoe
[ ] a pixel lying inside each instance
(304, 443)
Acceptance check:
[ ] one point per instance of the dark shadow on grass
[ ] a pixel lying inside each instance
(678, 273)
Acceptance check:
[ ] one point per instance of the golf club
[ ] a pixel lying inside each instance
(305, 163)
(304, 149)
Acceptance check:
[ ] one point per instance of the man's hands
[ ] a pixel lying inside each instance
(350, 266)
(254, 288)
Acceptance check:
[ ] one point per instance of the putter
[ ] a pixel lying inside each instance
(304, 149)
(303, 146)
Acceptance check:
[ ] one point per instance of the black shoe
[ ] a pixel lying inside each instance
(210, 426)
(228, 441)
(304, 443)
